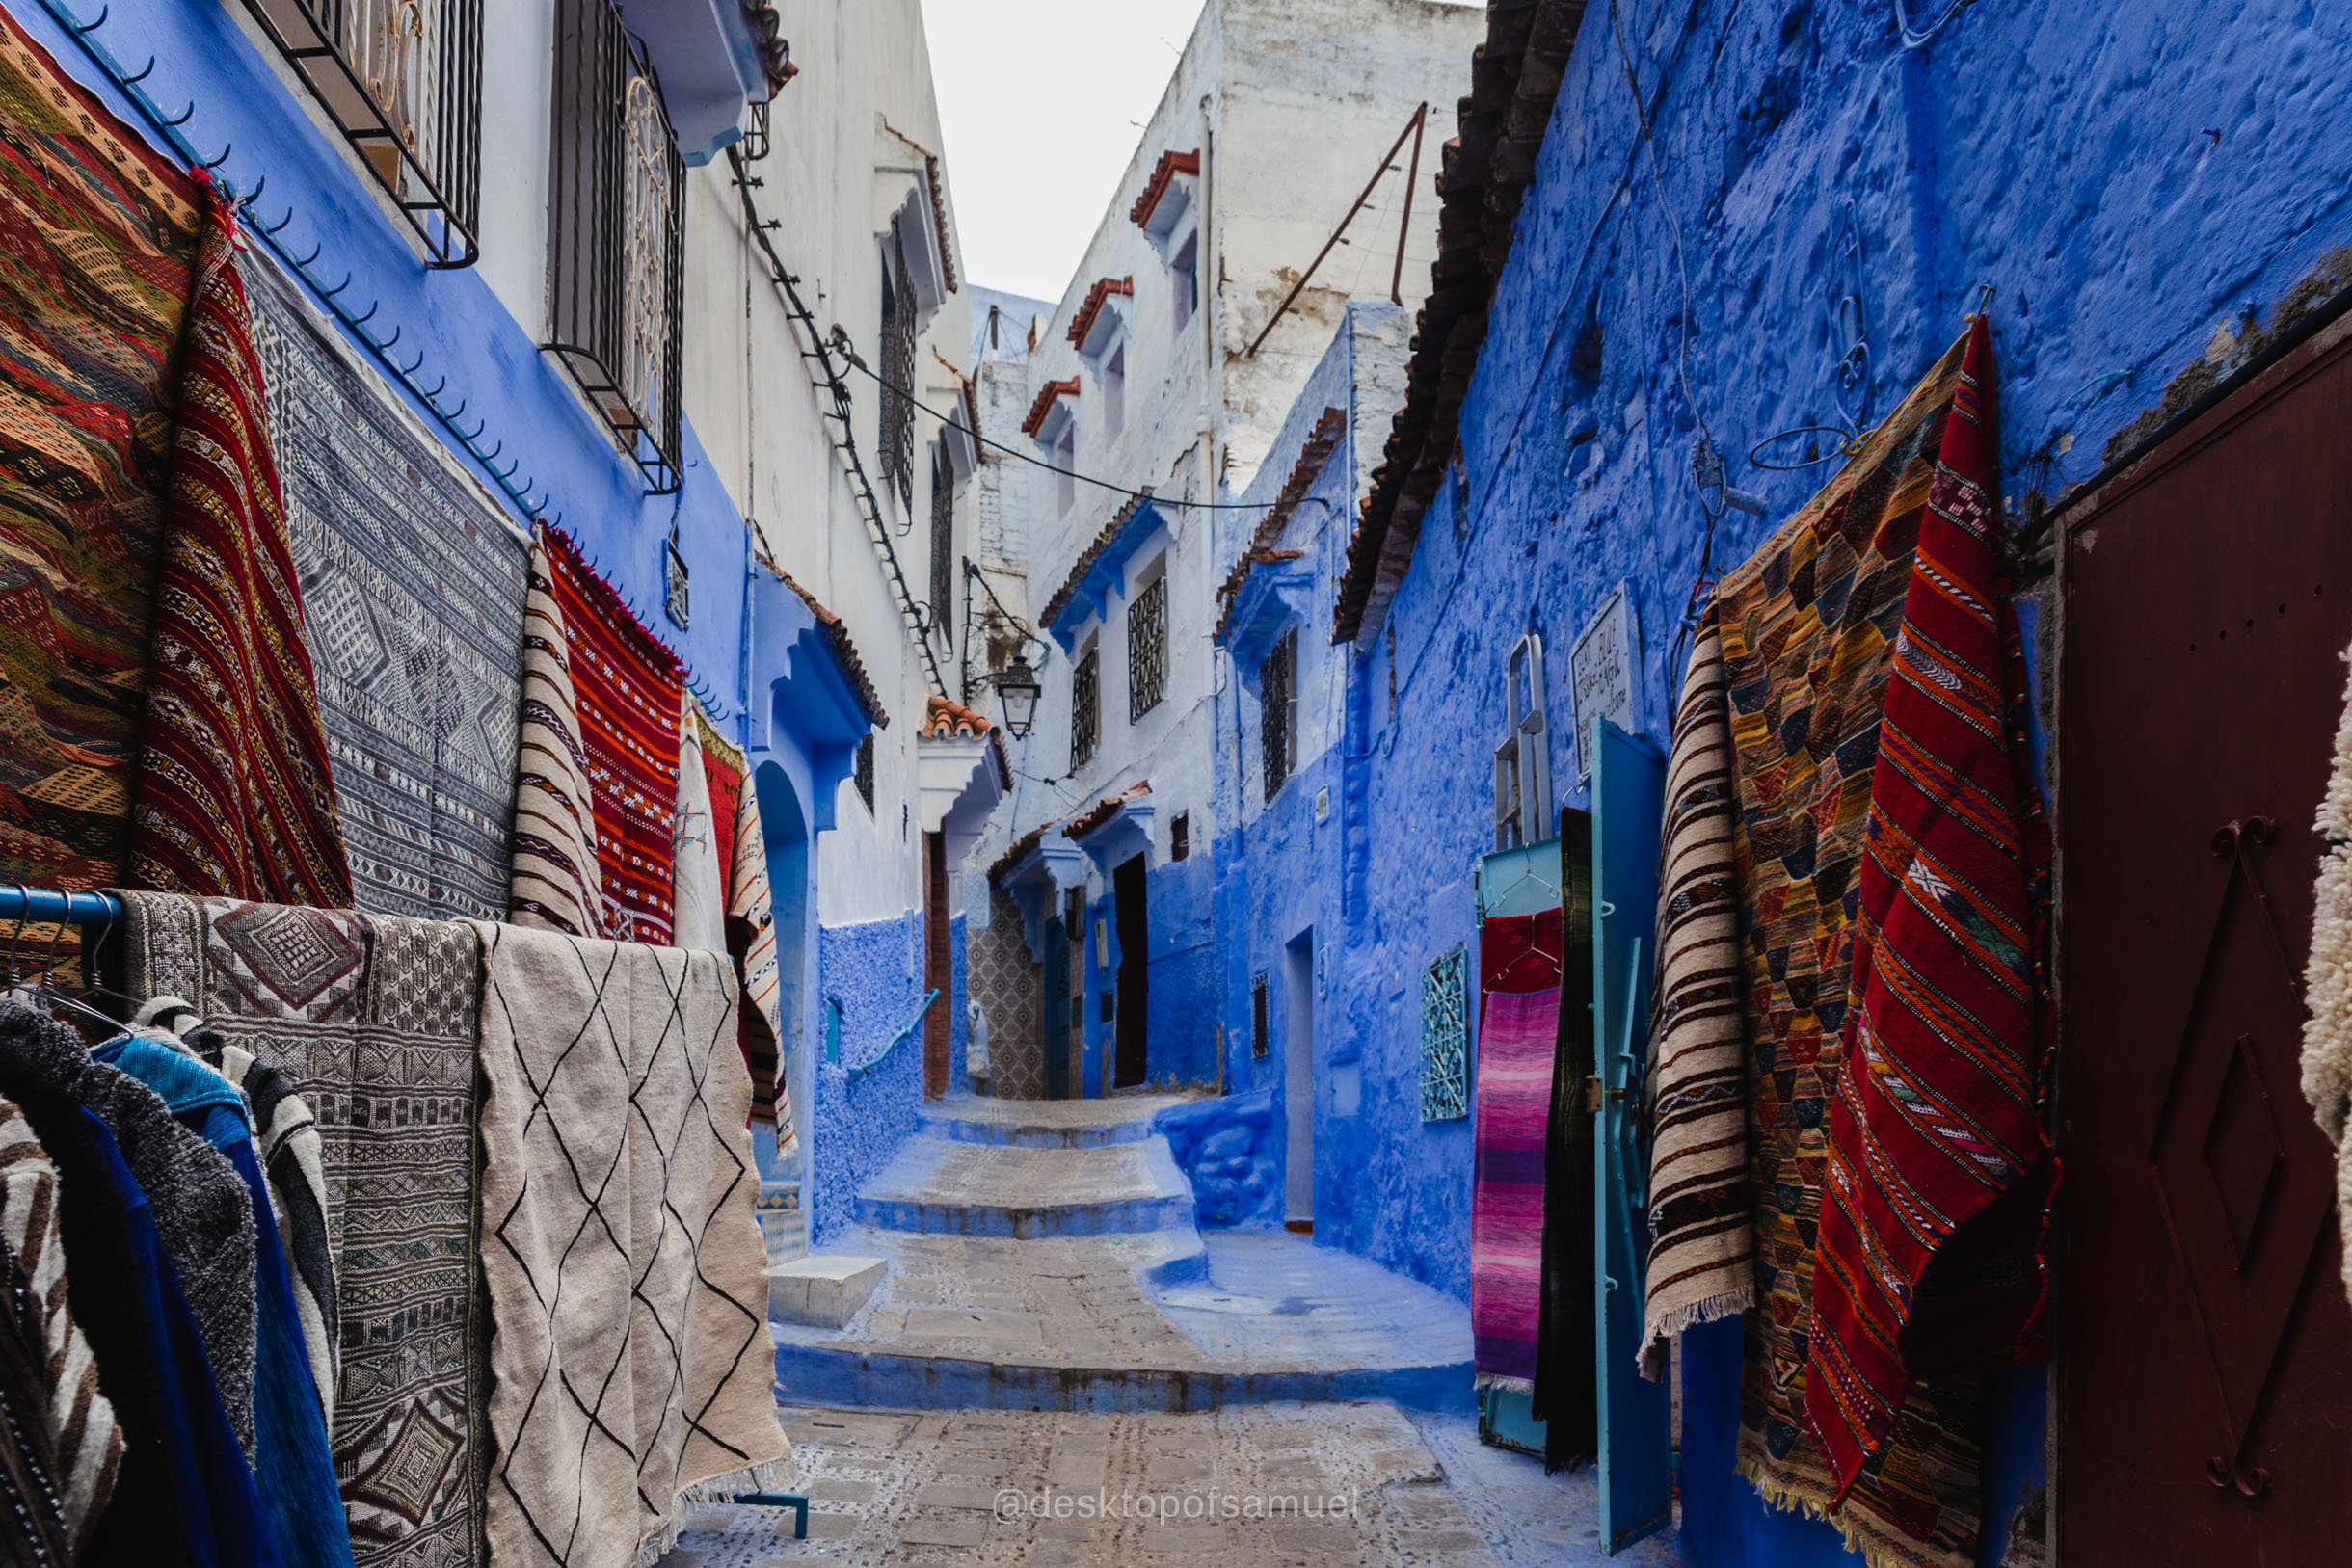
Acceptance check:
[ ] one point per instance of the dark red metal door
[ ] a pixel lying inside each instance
(2204, 1373)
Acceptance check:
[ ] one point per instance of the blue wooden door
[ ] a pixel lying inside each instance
(1628, 807)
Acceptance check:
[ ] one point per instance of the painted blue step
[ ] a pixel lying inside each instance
(942, 1187)
(1045, 1124)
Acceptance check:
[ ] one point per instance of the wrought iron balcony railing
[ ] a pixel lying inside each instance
(402, 80)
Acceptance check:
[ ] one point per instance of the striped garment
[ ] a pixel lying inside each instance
(291, 1160)
(750, 926)
(1939, 1154)
(556, 881)
(81, 1424)
(235, 793)
(1701, 1223)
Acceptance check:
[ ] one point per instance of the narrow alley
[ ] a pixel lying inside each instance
(1175, 784)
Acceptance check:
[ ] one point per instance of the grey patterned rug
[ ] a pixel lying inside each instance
(412, 585)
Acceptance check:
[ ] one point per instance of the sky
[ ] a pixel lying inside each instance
(1040, 105)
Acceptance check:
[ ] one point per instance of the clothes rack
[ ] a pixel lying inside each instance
(46, 906)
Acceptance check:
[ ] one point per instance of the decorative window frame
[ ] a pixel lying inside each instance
(616, 238)
(402, 81)
(1278, 713)
(1085, 704)
(1445, 1038)
(943, 542)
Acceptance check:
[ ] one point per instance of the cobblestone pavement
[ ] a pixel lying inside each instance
(1246, 1485)
(1271, 1302)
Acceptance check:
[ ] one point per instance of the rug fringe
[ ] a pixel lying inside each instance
(1730, 1303)
(1509, 1385)
(760, 1477)
(1874, 1551)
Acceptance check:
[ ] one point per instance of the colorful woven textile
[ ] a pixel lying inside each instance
(373, 1018)
(1517, 1038)
(622, 1259)
(1566, 1395)
(1930, 1252)
(101, 241)
(629, 688)
(412, 589)
(235, 794)
(2327, 977)
(1701, 1220)
(556, 882)
(751, 928)
(1808, 626)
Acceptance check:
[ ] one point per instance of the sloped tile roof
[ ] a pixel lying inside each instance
(1321, 443)
(1483, 178)
(1093, 553)
(1104, 810)
(1104, 288)
(1045, 403)
(1163, 174)
(942, 720)
(843, 649)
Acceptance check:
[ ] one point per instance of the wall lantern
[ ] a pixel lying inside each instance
(1018, 688)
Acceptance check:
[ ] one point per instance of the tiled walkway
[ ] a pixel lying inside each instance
(1250, 1486)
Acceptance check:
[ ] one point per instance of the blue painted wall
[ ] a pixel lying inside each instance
(2147, 190)
(873, 972)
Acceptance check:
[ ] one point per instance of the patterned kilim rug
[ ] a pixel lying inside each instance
(235, 794)
(411, 586)
(1931, 1254)
(101, 239)
(557, 883)
(1518, 1031)
(1701, 1217)
(1808, 626)
(627, 687)
(751, 925)
(374, 1019)
(626, 1278)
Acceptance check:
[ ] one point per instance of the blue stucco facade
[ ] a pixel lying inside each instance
(2148, 192)
(872, 973)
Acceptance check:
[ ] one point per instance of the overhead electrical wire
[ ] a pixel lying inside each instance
(918, 624)
(1142, 493)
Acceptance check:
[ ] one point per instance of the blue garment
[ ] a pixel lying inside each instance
(206, 1488)
(303, 1505)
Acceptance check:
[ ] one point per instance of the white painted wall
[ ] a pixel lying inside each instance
(1291, 104)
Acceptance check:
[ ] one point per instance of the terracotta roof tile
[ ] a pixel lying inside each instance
(1020, 847)
(939, 201)
(1045, 403)
(942, 720)
(1104, 810)
(1092, 553)
(1482, 179)
(1104, 288)
(1321, 443)
(838, 634)
(1164, 175)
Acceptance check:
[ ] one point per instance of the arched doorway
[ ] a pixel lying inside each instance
(783, 1173)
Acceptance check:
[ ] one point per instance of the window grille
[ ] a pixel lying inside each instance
(402, 80)
(896, 438)
(1086, 716)
(1259, 1044)
(1147, 649)
(1180, 835)
(865, 771)
(1445, 1040)
(616, 235)
(1278, 711)
(943, 542)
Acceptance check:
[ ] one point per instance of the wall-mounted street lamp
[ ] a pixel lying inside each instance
(1018, 688)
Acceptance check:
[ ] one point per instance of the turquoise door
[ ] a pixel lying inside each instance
(1628, 807)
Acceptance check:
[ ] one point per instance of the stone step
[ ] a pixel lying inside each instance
(941, 1187)
(1046, 1124)
(1159, 1321)
(824, 1291)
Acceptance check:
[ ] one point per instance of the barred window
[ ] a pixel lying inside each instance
(1278, 711)
(1445, 1040)
(943, 541)
(864, 774)
(1180, 835)
(616, 235)
(1147, 649)
(402, 80)
(1085, 709)
(1258, 1042)
(896, 438)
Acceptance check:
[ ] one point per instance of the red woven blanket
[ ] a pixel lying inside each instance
(1930, 1255)
(628, 687)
